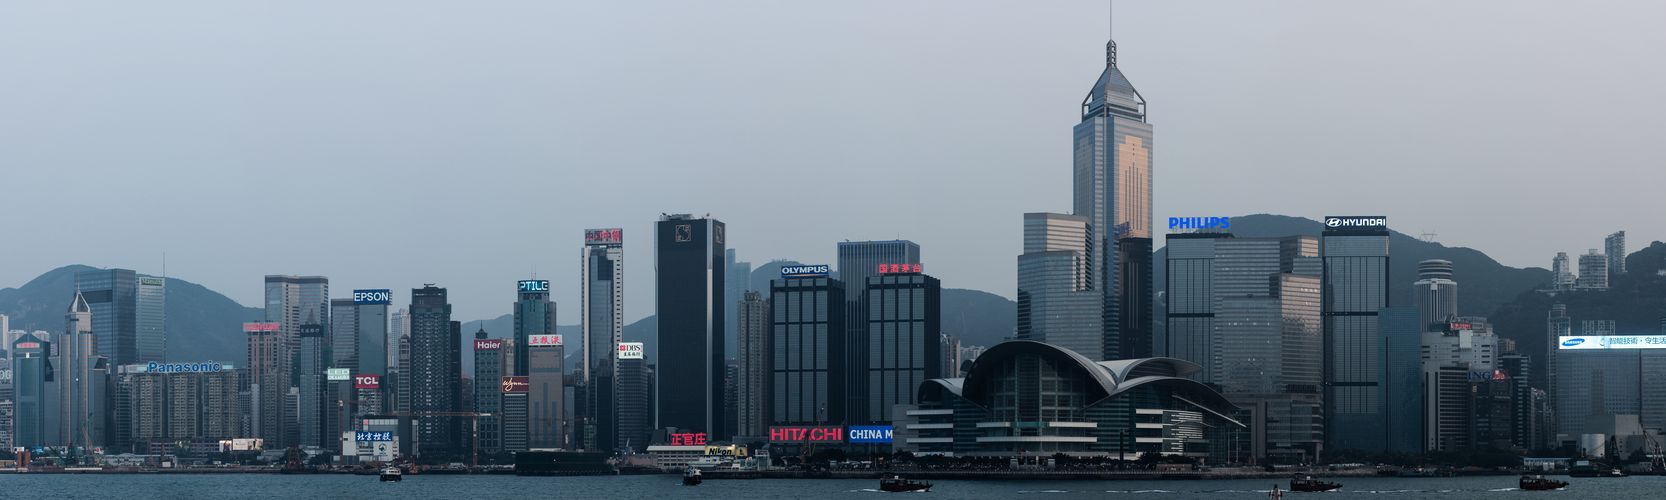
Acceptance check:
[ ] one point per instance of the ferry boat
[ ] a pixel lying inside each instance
(1535, 482)
(391, 473)
(691, 477)
(1304, 482)
(896, 484)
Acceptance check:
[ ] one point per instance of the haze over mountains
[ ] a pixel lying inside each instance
(204, 325)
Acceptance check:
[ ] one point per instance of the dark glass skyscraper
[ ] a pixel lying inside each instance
(807, 359)
(904, 315)
(29, 374)
(688, 301)
(1112, 188)
(753, 334)
(859, 260)
(534, 315)
(1355, 253)
(310, 420)
(434, 378)
(128, 314)
(602, 323)
(489, 354)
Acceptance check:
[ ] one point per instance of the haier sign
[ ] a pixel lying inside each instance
(381, 296)
(870, 434)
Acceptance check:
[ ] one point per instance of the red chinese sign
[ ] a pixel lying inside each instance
(603, 236)
(259, 327)
(900, 269)
(688, 439)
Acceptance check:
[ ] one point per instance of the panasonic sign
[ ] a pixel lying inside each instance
(1356, 222)
(816, 271)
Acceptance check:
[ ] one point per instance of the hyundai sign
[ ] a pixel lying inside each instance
(815, 271)
(630, 350)
(1356, 222)
(373, 436)
(1612, 342)
(380, 296)
(1182, 223)
(534, 285)
(870, 434)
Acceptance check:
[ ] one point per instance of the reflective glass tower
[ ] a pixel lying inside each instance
(859, 260)
(603, 325)
(127, 314)
(1112, 189)
(1355, 291)
(1056, 302)
(688, 302)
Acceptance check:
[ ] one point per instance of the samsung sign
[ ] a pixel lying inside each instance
(1182, 223)
(373, 297)
(1356, 222)
(1612, 342)
(816, 271)
(876, 434)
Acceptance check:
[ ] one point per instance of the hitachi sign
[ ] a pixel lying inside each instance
(1178, 223)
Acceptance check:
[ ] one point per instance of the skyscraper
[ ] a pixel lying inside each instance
(859, 260)
(1615, 247)
(1355, 252)
(1450, 355)
(807, 358)
(267, 381)
(602, 324)
(534, 315)
(127, 314)
(904, 342)
(290, 300)
(546, 423)
(344, 346)
(1435, 293)
(735, 284)
(1403, 381)
(361, 342)
(1593, 271)
(29, 373)
(753, 335)
(1112, 189)
(489, 365)
(1190, 299)
(434, 380)
(636, 397)
(1057, 302)
(311, 382)
(79, 375)
(1562, 272)
(688, 302)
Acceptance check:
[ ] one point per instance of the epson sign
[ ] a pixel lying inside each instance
(816, 271)
(1346, 223)
(1179, 223)
(373, 297)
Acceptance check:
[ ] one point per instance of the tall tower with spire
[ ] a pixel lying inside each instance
(1112, 189)
(79, 381)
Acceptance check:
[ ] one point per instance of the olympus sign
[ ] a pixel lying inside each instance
(815, 271)
(1371, 222)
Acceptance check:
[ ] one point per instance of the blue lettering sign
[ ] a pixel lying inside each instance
(154, 367)
(815, 271)
(373, 436)
(381, 296)
(870, 434)
(1179, 223)
(1572, 342)
(535, 285)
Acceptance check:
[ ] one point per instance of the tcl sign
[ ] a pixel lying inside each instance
(807, 434)
(487, 344)
(688, 439)
(367, 381)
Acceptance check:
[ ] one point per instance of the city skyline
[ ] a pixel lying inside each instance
(894, 80)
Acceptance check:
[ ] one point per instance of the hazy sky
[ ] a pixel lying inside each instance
(389, 144)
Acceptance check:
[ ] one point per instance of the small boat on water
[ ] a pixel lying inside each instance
(691, 477)
(392, 474)
(1535, 482)
(896, 484)
(1304, 482)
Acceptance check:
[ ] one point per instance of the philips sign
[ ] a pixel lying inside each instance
(373, 297)
(1180, 223)
(1344, 223)
(875, 434)
(534, 285)
(816, 271)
